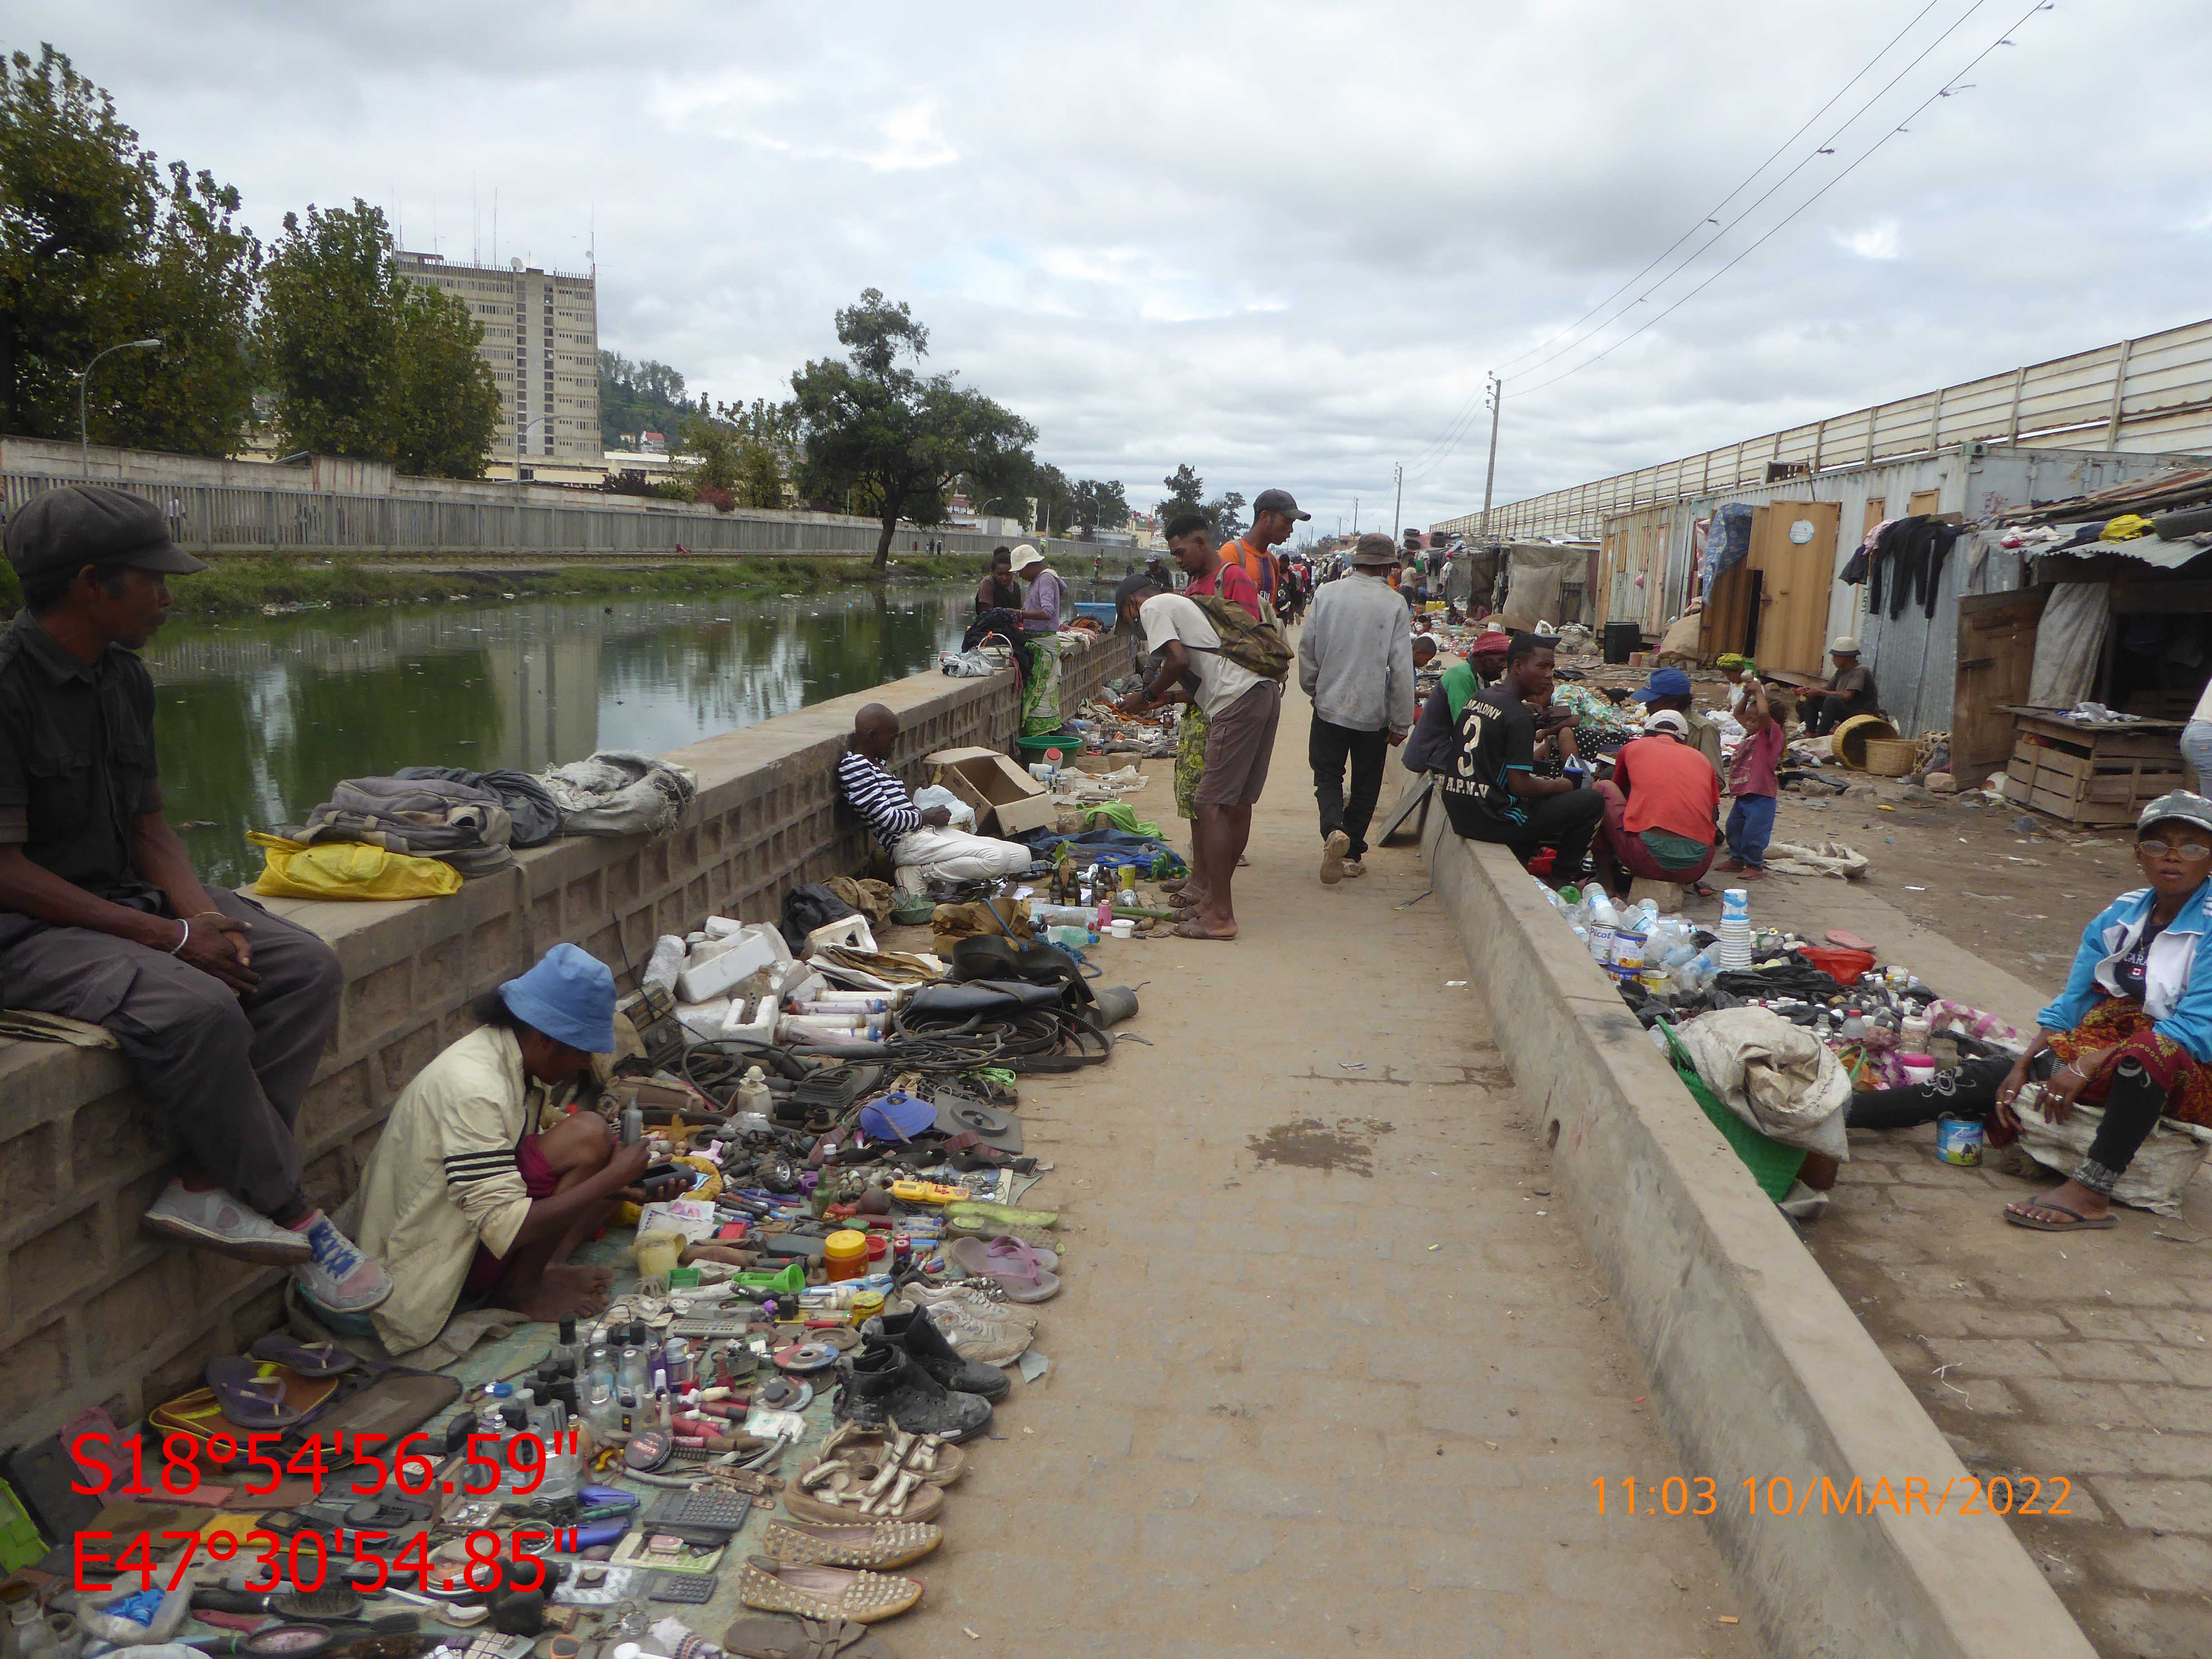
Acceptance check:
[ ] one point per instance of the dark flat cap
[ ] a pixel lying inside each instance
(78, 524)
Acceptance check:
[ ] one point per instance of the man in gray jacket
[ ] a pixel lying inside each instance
(1356, 662)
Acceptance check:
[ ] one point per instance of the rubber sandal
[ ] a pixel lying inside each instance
(1191, 929)
(249, 1400)
(315, 1360)
(782, 1637)
(2080, 1223)
(921, 1503)
(825, 1593)
(1015, 1266)
(939, 1462)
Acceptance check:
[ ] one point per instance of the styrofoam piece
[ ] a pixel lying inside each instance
(704, 1019)
(740, 958)
(723, 926)
(850, 932)
(754, 1021)
(705, 950)
(666, 963)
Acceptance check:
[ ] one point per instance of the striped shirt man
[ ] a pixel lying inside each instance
(878, 797)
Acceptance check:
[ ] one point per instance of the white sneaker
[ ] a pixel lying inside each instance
(1334, 852)
(993, 1333)
(214, 1220)
(339, 1278)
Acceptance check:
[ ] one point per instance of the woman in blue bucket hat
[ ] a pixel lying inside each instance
(472, 1204)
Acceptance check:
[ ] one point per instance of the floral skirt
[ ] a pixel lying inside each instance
(1190, 759)
(1041, 694)
(2121, 1020)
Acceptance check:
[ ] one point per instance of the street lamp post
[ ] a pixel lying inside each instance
(83, 375)
(521, 432)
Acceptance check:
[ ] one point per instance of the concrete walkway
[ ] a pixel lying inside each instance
(1329, 1374)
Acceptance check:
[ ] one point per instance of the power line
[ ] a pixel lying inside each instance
(1457, 427)
(1943, 91)
(1826, 148)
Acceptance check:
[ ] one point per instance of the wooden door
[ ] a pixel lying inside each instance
(1996, 655)
(1795, 577)
(1925, 500)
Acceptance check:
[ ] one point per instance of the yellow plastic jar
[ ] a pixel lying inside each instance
(845, 1254)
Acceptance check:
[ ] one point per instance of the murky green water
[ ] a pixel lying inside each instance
(257, 719)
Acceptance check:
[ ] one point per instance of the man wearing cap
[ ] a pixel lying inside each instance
(1670, 689)
(1661, 807)
(221, 1009)
(1850, 691)
(1190, 539)
(467, 1200)
(1275, 515)
(1435, 734)
(1356, 662)
(1041, 615)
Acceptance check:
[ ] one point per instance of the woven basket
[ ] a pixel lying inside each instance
(1890, 757)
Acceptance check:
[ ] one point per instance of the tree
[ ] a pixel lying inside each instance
(1099, 504)
(99, 244)
(1047, 486)
(441, 405)
(874, 426)
(1185, 492)
(1226, 513)
(364, 361)
(639, 397)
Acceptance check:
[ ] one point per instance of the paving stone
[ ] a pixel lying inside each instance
(2000, 1356)
(2170, 1563)
(2108, 1361)
(2162, 1505)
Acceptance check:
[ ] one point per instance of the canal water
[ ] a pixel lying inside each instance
(256, 718)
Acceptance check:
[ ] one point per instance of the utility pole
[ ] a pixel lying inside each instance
(1398, 504)
(1489, 477)
(83, 378)
(1355, 517)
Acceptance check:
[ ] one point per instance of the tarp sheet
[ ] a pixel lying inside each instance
(2068, 641)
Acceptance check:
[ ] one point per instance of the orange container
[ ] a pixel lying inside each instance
(845, 1254)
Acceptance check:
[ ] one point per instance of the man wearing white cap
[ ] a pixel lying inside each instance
(1850, 690)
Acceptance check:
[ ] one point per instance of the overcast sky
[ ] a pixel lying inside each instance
(1281, 242)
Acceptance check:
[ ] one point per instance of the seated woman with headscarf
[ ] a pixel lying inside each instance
(2131, 1033)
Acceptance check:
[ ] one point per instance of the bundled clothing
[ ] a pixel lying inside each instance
(1907, 555)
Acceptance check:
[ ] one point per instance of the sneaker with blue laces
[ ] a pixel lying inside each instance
(338, 1277)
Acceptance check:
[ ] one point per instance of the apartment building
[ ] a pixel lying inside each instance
(541, 336)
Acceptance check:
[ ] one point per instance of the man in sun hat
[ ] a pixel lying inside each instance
(469, 1202)
(1850, 690)
(1356, 660)
(221, 1009)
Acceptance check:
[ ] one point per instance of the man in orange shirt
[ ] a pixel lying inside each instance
(1660, 808)
(1274, 516)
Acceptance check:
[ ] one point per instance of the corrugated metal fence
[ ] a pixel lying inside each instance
(243, 519)
(2145, 395)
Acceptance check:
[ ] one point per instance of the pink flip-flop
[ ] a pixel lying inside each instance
(1019, 1268)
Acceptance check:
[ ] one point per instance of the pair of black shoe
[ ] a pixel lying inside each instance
(906, 1375)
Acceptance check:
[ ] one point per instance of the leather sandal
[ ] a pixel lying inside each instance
(783, 1637)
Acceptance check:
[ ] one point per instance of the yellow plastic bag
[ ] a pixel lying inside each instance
(347, 870)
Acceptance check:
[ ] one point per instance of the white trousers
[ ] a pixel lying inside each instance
(955, 855)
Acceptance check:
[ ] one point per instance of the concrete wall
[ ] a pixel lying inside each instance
(94, 1311)
(328, 505)
(1761, 1371)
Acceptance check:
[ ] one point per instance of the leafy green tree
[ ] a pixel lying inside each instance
(873, 425)
(1185, 492)
(1099, 504)
(99, 244)
(441, 405)
(636, 399)
(1227, 514)
(366, 363)
(1054, 497)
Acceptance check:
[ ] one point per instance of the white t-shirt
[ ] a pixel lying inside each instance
(1171, 616)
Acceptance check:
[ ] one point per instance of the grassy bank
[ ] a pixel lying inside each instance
(235, 586)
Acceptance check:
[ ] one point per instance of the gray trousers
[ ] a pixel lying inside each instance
(227, 1072)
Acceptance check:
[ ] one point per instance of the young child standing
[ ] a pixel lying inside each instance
(1751, 781)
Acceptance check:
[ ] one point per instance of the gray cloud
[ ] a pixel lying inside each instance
(1280, 243)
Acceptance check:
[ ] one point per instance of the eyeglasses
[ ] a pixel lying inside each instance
(2189, 852)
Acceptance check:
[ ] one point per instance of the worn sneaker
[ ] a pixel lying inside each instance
(1333, 852)
(1353, 869)
(339, 1278)
(214, 1220)
(994, 1332)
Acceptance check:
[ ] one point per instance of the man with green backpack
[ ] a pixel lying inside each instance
(1234, 666)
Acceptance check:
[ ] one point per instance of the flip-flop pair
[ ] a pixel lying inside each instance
(1025, 1273)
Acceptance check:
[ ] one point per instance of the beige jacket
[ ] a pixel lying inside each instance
(443, 1180)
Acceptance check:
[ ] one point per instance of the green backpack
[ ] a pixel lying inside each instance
(1245, 641)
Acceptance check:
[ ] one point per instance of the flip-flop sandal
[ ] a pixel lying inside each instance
(1192, 930)
(2080, 1223)
(249, 1400)
(310, 1359)
(784, 1637)
(1842, 937)
(1018, 1268)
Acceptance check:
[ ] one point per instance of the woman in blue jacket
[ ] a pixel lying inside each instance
(2131, 1032)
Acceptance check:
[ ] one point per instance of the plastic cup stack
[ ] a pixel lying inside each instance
(1735, 928)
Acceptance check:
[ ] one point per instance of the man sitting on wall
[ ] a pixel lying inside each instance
(470, 1203)
(221, 1009)
(923, 845)
(1491, 789)
(1850, 691)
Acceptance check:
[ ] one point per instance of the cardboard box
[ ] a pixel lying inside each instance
(988, 782)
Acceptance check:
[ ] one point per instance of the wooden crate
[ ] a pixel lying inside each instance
(2088, 775)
